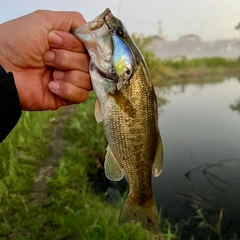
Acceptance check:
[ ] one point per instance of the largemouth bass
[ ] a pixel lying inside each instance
(127, 105)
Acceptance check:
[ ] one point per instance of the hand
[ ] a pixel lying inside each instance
(50, 66)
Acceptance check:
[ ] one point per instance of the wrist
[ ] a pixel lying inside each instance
(9, 103)
(6, 74)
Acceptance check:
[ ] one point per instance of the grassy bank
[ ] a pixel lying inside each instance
(193, 68)
(167, 69)
(69, 209)
(20, 155)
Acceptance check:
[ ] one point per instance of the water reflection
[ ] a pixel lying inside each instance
(200, 129)
(182, 83)
(219, 175)
(236, 106)
(222, 176)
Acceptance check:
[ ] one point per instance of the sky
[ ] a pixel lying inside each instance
(210, 19)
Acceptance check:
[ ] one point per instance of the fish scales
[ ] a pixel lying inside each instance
(127, 106)
(136, 130)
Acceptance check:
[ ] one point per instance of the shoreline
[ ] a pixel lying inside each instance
(196, 68)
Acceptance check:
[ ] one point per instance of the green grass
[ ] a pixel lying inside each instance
(200, 67)
(21, 153)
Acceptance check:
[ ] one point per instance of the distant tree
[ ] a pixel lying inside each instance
(238, 27)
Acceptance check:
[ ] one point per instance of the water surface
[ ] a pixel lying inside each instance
(201, 138)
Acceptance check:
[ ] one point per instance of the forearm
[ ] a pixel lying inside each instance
(10, 109)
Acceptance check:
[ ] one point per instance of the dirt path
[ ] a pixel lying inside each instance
(56, 145)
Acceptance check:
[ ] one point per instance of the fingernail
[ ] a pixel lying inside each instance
(49, 56)
(54, 86)
(58, 74)
(54, 39)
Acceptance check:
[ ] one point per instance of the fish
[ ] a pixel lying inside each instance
(127, 105)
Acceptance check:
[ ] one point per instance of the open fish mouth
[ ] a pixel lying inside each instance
(99, 22)
(96, 28)
(96, 25)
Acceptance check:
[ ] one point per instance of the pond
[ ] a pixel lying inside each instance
(200, 129)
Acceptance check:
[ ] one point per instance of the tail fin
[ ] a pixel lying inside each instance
(146, 213)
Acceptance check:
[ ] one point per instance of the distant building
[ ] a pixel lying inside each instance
(160, 29)
(160, 36)
(190, 37)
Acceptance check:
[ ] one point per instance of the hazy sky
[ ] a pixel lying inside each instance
(210, 19)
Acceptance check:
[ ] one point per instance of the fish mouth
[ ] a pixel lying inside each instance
(98, 27)
(101, 20)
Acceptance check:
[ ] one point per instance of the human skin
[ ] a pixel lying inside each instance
(50, 66)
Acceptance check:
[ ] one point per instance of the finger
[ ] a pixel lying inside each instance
(68, 91)
(67, 60)
(65, 40)
(61, 20)
(66, 20)
(78, 78)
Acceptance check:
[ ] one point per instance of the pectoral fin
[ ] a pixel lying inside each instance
(98, 112)
(158, 160)
(113, 169)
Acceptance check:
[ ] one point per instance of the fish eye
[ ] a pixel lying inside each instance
(128, 72)
(127, 75)
(119, 32)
